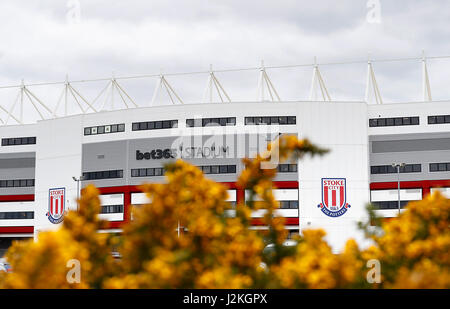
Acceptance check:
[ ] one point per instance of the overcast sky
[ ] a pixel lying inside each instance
(42, 41)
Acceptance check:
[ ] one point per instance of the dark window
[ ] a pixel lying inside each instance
(17, 215)
(231, 168)
(206, 169)
(143, 126)
(18, 141)
(271, 120)
(389, 204)
(398, 121)
(440, 167)
(105, 129)
(289, 204)
(112, 209)
(18, 183)
(189, 123)
(390, 121)
(415, 120)
(389, 169)
(103, 175)
(438, 119)
(284, 168)
(292, 167)
(223, 121)
(134, 173)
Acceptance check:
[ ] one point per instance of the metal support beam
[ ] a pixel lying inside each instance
(163, 83)
(265, 83)
(318, 84)
(214, 84)
(425, 80)
(372, 85)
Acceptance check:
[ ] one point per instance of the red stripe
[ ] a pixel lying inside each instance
(16, 229)
(288, 221)
(240, 197)
(425, 185)
(341, 196)
(17, 198)
(333, 197)
(325, 195)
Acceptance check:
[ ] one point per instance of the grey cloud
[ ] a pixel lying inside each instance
(137, 37)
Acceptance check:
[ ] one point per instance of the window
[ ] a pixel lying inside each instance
(271, 120)
(439, 119)
(389, 169)
(287, 168)
(17, 183)
(22, 215)
(389, 204)
(18, 141)
(398, 121)
(154, 125)
(288, 204)
(147, 172)
(106, 129)
(440, 167)
(218, 169)
(103, 175)
(211, 122)
(111, 209)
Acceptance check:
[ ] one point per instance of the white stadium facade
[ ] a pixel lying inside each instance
(44, 164)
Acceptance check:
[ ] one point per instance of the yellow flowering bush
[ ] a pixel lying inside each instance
(188, 236)
(43, 263)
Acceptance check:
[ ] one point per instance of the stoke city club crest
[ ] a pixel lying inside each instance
(334, 197)
(56, 205)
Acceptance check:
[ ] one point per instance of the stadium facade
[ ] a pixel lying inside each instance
(43, 165)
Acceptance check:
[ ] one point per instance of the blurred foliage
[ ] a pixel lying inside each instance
(219, 250)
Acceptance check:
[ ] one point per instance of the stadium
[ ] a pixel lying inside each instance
(386, 154)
